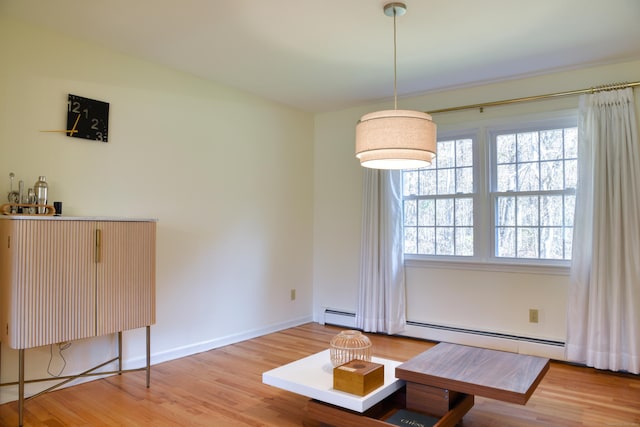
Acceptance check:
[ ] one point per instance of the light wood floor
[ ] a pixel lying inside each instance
(223, 387)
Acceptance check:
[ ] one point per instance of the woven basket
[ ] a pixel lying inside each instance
(349, 345)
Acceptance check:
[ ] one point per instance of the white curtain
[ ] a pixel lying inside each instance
(603, 323)
(381, 297)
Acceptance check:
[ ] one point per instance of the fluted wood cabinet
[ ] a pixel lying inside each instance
(64, 279)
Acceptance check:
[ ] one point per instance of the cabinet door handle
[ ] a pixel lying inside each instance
(98, 248)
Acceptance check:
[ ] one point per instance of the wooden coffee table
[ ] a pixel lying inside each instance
(442, 382)
(448, 373)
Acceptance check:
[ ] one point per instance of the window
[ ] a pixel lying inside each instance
(439, 202)
(495, 194)
(533, 192)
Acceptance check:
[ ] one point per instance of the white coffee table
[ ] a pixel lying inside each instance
(312, 376)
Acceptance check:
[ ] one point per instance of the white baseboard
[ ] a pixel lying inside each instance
(188, 350)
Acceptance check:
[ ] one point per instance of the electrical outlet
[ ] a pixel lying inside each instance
(293, 294)
(533, 315)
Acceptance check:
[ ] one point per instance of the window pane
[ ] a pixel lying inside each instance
(527, 210)
(552, 176)
(505, 149)
(427, 212)
(444, 212)
(444, 241)
(446, 154)
(551, 147)
(464, 241)
(426, 240)
(410, 183)
(506, 211)
(464, 152)
(446, 181)
(410, 214)
(410, 240)
(571, 143)
(464, 212)
(527, 147)
(571, 173)
(527, 242)
(551, 210)
(528, 177)
(568, 242)
(551, 243)
(464, 180)
(505, 242)
(428, 182)
(506, 178)
(569, 210)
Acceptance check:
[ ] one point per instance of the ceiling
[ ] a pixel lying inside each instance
(324, 55)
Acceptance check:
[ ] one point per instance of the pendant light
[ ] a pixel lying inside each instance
(395, 139)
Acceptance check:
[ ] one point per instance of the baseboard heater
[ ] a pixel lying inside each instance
(347, 319)
(486, 333)
(331, 311)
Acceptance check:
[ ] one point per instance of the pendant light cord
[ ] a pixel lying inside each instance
(395, 87)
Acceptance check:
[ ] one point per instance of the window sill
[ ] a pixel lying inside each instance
(518, 266)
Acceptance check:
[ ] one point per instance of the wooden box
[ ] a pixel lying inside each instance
(431, 400)
(358, 377)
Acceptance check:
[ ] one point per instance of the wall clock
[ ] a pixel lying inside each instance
(87, 118)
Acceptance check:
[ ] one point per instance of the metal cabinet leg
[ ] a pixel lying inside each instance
(120, 352)
(148, 356)
(20, 387)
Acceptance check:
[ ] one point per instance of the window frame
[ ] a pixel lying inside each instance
(484, 164)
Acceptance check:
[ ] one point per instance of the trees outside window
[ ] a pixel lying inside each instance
(495, 195)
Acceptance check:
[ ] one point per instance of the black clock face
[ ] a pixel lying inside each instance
(87, 118)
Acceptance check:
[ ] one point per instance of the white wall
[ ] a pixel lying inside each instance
(473, 298)
(253, 198)
(228, 175)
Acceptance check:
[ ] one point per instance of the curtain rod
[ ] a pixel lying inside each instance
(481, 106)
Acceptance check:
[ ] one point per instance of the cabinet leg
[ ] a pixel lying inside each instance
(120, 353)
(148, 356)
(20, 386)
